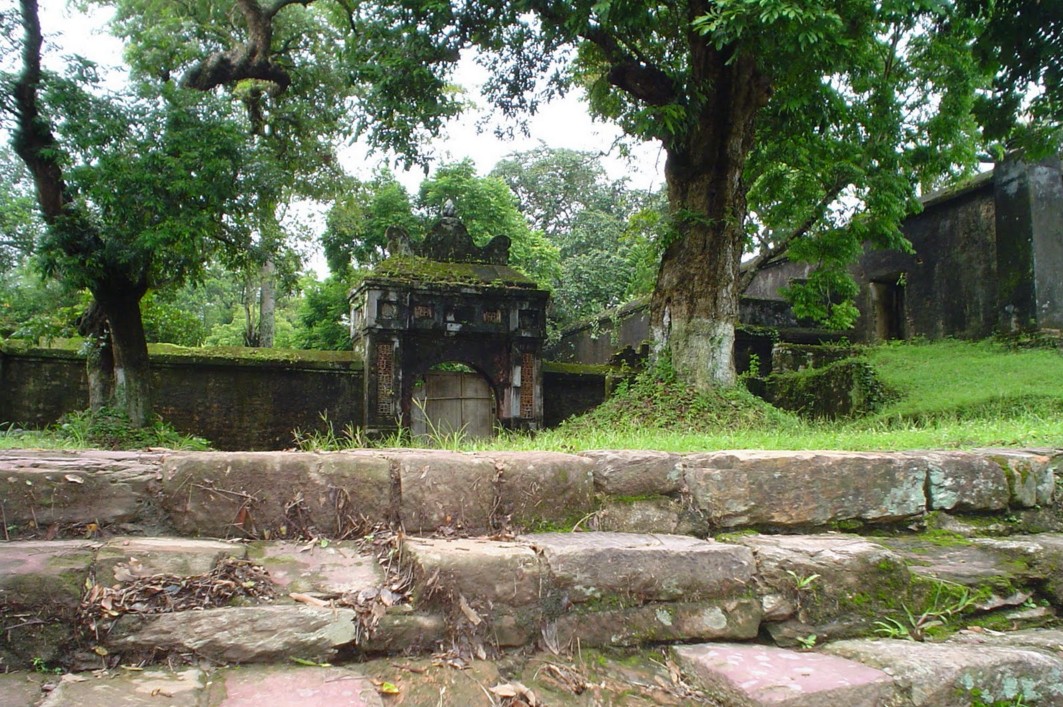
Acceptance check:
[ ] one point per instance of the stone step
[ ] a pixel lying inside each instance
(278, 495)
(92, 604)
(1023, 667)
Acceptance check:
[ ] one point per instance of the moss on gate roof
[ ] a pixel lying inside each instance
(413, 270)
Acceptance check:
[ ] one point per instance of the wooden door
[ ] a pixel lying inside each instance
(452, 402)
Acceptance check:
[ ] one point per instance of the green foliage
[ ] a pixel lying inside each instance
(166, 322)
(35, 309)
(111, 429)
(153, 177)
(324, 315)
(355, 230)
(488, 208)
(598, 226)
(656, 400)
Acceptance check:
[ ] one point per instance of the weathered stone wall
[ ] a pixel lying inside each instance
(948, 284)
(236, 403)
(239, 402)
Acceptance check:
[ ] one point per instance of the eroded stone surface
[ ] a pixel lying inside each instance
(834, 585)
(1031, 475)
(495, 572)
(271, 495)
(290, 687)
(756, 676)
(336, 569)
(40, 488)
(44, 575)
(804, 489)
(253, 634)
(959, 481)
(650, 515)
(163, 687)
(636, 472)
(588, 566)
(728, 619)
(543, 487)
(950, 674)
(1038, 556)
(20, 689)
(144, 557)
(445, 489)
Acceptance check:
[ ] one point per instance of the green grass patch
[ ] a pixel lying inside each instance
(951, 395)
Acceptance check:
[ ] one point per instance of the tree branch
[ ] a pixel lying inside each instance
(767, 256)
(630, 73)
(250, 60)
(33, 140)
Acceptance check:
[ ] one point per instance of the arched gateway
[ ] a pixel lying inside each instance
(450, 301)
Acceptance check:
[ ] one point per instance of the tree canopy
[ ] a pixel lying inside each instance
(791, 128)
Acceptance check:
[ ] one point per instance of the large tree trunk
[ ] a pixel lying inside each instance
(132, 370)
(99, 360)
(267, 305)
(694, 307)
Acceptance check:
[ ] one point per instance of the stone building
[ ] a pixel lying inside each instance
(987, 257)
(451, 336)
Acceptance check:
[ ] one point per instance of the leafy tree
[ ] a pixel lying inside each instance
(20, 227)
(133, 194)
(277, 64)
(567, 195)
(864, 101)
(1021, 46)
(359, 218)
(488, 208)
(324, 315)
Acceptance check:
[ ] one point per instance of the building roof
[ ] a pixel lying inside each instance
(412, 270)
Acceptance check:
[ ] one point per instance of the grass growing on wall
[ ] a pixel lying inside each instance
(952, 394)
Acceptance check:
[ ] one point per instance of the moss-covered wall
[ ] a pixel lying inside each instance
(242, 398)
(236, 402)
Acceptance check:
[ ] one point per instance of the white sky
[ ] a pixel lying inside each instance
(563, 123)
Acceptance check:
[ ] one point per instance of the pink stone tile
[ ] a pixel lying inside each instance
(765, 675)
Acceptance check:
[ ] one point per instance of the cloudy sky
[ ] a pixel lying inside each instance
(563, 123)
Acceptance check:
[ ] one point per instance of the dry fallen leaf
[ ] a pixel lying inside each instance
(308, 599)
(469, 612)
(515, 690)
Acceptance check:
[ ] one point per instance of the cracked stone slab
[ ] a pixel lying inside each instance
(636, 472)
(759, 676)
(950, 674)
(588, 566)
(252, 634)
(275, 495)
(184, 557)
(724, 619)
(181, 689)
(960, 481)
(45, 575)
(444, 489)
(45, 487)
(495, 572)
(805, 489)
(333, 570)
(543, 487)
(811, 584)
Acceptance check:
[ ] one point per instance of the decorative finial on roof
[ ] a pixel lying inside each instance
(449, 210)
